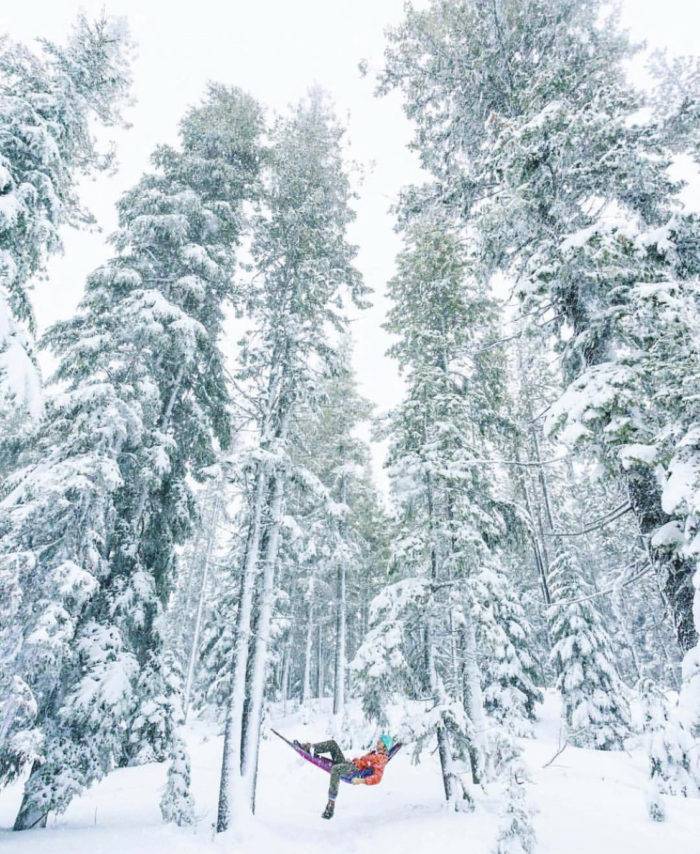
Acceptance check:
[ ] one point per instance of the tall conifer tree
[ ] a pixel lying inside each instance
(304, 267)
(91, 520)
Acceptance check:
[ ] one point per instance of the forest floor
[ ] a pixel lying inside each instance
(587, 803)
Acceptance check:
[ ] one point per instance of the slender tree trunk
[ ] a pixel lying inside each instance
(30, 815)
(536, 546)
(473, 698)
(260, 653)
(452, 783)
(427, 655)
(442, 738)
(308, 652)
(455, 792)
(249, 672)
(320, 676)
(229, 791)
(341, 619)
(254, 781)
(454, 657)
(193, 566)
(340, 638)
(194, 651)
(286, 667)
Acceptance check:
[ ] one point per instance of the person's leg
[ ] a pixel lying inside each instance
(340, 769)
(330, 747)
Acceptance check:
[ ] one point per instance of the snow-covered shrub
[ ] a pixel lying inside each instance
(176, 804)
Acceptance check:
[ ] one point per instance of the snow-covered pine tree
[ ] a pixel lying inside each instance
(49, 102)
(189, 606)
(177, 804)
(526, 119)
(676, 101)
(319, 530)
(586, 511)
(390, 662)
(450, 520)
(304, 265)
(364, 535)
(516, 834)
(510, 678)
(635, 407)
(590, 506)
(180, 230)
(674, 768)
(91, 519)
(212, 687)
(329, 449)
(594, 701)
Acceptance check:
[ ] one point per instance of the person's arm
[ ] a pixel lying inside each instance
(363, 765)
(373, 778)
(376, 767)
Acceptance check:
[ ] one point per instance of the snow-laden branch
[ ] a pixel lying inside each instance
(618, 585)
(520, 463)
(610, 517)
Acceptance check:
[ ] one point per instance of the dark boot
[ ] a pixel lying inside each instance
(329, 810)
(305, 746)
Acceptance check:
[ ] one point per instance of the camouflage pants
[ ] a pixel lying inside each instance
(340, 768)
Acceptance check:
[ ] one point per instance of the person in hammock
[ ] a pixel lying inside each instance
(374, 761)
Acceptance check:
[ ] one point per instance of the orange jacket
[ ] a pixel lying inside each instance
(375, 761)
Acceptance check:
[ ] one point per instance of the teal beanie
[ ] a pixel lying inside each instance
(387, 741)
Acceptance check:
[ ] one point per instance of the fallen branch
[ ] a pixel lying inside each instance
(558, 753)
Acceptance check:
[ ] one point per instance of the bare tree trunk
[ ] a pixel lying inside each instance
(442, 740)
(308, 652)
(248, 683)
(455, 791)
(452, 782)
(340, 638)
(454, 658)
(341, 617)
(260, 652)
(473, 699)
(320, 676)
(30, 815)
(229, 792)
(537, 549)
(286, 667)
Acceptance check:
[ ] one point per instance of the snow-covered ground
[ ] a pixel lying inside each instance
(588, 803)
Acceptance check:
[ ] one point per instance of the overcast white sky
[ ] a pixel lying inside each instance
(275, 49)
